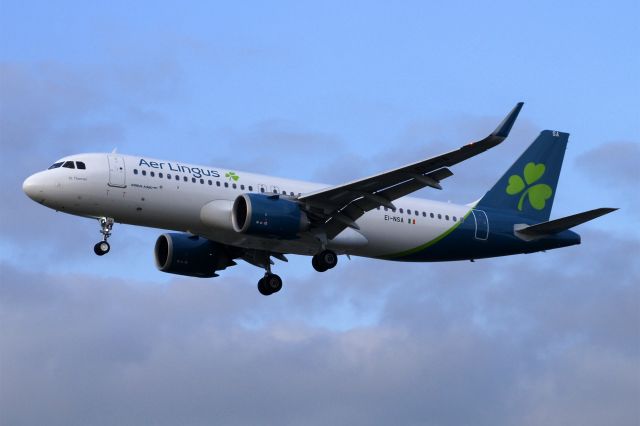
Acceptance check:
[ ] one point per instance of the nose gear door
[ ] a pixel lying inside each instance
(117, 175)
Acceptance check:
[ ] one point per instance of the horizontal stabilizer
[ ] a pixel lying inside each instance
(564, 223)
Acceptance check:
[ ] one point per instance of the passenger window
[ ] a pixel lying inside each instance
(185, 179)
(250, 188)
(386, 209)
(152, 174)
(80, 165)
(210, 182)
(408, 211)
(242, 187)
(168, 176)
(55, 165)
(177, 177)
(201, 181)
(144, 173)
(135, 171)
(193, 180)
(226, 184)
(69, 165)
(401, 211)
(439, 216)
(234, 186)
(262, 189)
(160, 175)
(454, 219)
(431, 214)
(292, 194)
(424, 214)
(217, 183)
(446, 216)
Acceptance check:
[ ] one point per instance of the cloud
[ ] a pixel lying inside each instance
(549, 338)
(261, 143)
(614, 166)
(613, 163)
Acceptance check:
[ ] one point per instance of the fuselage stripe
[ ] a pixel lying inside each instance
(427, 244)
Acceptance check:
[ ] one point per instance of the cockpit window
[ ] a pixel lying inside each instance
(69, 165)
(80, 165)
(55, 165)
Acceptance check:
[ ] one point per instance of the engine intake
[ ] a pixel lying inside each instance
(189, 255)
(268, 215)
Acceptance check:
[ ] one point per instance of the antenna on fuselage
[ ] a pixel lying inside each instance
(115, 150)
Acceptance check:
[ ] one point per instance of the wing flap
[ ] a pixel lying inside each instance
(359, 207)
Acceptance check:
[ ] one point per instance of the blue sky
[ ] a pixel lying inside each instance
(327, 92)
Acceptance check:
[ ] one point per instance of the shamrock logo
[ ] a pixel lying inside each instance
(232, 176)
(538, 194)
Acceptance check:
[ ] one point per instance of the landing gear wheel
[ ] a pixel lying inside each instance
(324, 260)
(102, 248)
(271, 283)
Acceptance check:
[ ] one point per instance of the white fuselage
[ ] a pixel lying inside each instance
(189, 198)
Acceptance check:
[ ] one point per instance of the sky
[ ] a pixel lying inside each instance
(326, 92)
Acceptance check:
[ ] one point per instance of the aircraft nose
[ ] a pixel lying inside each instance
(33, 187)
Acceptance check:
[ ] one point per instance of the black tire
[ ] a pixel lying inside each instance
(262, 288)
(329, 259)
(101, 248)
(273, 283)
(316, 265)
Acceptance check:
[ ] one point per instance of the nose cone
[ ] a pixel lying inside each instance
(33, 187)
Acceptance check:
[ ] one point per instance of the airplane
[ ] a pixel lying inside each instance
(223, 215)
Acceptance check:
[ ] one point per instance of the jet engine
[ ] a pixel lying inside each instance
(190, 255)
(268, 215)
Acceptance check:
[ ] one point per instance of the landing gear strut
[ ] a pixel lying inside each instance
(103, 247)
(324, 260)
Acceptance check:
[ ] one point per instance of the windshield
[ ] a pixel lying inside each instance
(55, 165)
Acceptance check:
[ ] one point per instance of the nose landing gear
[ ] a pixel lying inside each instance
(103, 247)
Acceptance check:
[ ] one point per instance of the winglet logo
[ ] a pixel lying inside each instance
(232, 176)
(538, 194)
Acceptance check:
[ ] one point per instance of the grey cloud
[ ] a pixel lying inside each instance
(614, 166)
(613, 163)
(259, 143)
(548, 338)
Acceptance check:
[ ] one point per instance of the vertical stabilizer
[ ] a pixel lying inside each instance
(529, 186)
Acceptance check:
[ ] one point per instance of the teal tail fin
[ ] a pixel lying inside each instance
(529, 186)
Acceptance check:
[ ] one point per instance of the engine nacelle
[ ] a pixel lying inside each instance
(190, 255)
(268, 215)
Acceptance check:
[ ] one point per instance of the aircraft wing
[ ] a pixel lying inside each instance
(340, 206)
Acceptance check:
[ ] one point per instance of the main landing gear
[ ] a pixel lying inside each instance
(324, 260)
(271, 283)
(103, 247)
